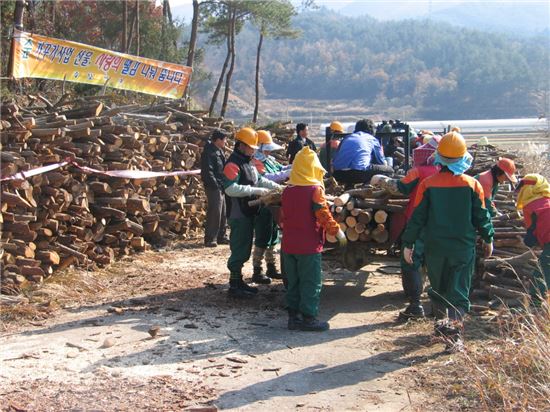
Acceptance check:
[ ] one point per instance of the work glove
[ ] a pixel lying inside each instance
(341, 237)
(408, 255)
(379, 180)
(487, 249)
(260, 191)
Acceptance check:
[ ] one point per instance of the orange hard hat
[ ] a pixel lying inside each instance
(264, 137)
(336, 126)
(508, 167)
(248, 136)
(452, 145)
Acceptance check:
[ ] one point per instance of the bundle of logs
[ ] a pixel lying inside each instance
(506, 277)
(364, 214)
(66, 217)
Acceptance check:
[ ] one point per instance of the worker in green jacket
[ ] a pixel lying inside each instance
(449, 208)
(266, 230)
(243, 184)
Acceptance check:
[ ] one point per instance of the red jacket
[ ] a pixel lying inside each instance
(538, 210)
(302, 234)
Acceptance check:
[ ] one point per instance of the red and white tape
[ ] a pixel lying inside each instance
(123, 174)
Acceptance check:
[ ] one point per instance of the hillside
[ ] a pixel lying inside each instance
(439, 70)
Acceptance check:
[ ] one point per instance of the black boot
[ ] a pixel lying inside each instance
(312, 324)
(413, 311)
(272, 271)
(294, 320)
(259, 277)
(239, 289)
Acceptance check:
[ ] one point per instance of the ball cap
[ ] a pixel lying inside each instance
(508, 167)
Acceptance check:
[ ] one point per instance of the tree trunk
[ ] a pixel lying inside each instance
(53, 12)
(222, 74)
(124, 26)
(132, 30)
(257, 86)
(137, 27)
(194, 30)
(162, 54)
(233, 18)
(192, 45)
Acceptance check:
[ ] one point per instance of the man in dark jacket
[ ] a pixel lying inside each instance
(301, 140)
(212, 163)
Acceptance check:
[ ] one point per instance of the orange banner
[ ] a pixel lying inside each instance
(48, 58)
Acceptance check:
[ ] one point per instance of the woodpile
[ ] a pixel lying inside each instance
(506, 277)
(486, 157)
(364, 215)
(66, 217)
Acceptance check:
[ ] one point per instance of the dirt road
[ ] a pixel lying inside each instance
(97, 353)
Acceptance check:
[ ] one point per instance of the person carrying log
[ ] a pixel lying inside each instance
(449, 208)
(265, 228)
(503, 171)
(212, 163)
(411, 276)
(534, 201)
(305, 218)
(360, 156)
(242, 183)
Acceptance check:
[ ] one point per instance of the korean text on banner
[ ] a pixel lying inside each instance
(48, 58)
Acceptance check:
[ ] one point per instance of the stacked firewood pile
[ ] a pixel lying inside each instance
(506, 277)
(66, 217)
(364, 214)
(487, 156)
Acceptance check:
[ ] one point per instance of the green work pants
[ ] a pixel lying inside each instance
(541, 275)
(266, 229)
(240, 243)
(450, 279)
(304, 282)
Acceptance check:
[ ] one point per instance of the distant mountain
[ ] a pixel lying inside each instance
(429, 69)
(524, 18)
(517, 17)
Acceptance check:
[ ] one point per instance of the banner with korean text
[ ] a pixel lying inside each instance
(48, 58)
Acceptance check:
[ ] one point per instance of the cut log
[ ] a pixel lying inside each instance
(380, 216)
(342, 199)
(380, 234)
(350, 221)
(48, 256)
(351, 234)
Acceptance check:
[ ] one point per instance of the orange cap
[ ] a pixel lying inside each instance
(508, 167)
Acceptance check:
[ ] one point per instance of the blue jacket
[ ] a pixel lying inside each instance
(357, 152)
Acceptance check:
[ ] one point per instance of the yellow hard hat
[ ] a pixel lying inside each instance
(336, 126)
(264, 137)
(266, 143)
(452, 145)
(483, 141)
(248, 136)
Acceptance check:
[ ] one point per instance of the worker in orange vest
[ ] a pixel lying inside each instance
(503, 171)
